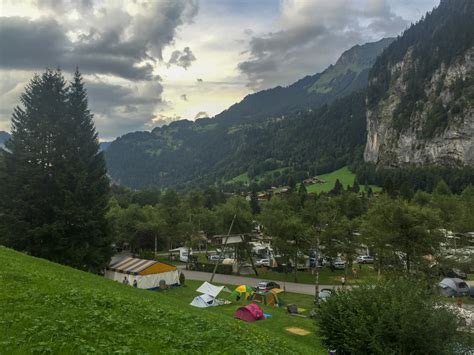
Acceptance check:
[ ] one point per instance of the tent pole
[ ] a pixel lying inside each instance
(223, 248)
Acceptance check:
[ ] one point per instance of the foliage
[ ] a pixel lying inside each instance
(53, 185)
(397, 226)
(398, 316)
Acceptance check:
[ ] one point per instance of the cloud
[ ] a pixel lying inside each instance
(201, 114)
(312, 35)
(107, 41)
(124, 108)
(161, 120)
(182, 58)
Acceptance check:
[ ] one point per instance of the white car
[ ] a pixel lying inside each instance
(339, 264)
(365, 259)
(263, 262)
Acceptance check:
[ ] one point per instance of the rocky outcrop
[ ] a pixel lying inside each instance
(451, 143)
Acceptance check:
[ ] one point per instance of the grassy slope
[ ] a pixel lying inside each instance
(49, 307)
(345, 176)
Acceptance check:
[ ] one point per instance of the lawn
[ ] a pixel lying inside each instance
(345, 176)
(276, 324)
(49, 308)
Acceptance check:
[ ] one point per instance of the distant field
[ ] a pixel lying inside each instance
(49, 308)
(345, 176)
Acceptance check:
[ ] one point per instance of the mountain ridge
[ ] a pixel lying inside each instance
(249, 135)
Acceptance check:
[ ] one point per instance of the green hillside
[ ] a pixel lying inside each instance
(50, 308)
(345, 176)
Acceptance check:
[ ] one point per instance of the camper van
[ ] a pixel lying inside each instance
(182, 253)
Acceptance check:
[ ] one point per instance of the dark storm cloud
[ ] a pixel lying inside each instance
(120, 109)
(118, 45)
(26, 44)
(182, 58)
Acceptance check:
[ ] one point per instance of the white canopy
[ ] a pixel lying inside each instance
(208, 289)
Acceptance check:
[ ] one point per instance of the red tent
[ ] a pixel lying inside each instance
(249, 313)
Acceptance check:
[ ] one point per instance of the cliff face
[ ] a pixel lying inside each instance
(421, 92)
(425, 139)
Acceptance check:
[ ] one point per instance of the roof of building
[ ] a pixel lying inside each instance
(137, 266)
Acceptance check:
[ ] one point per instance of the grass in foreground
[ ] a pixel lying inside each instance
(50, 308)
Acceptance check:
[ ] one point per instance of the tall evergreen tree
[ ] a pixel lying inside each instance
(54, 185)
(303, 193)
(254, 205)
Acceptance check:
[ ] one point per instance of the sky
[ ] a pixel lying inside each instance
(149, 62)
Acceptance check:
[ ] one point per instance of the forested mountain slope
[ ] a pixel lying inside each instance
(4, 136)
(421, 93)
(298, 127)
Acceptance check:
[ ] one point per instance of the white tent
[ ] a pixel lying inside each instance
(147, 273)
(208, 297)
(204, 301)
(209, 289)
(453, 287)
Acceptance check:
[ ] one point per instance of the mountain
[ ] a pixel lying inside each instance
(350, 73)
(312, 126)
(421, 93)
(4, 136)
(104, 145)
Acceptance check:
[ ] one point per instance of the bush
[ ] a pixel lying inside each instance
(393, 317)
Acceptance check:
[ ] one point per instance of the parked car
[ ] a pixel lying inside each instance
(365, 259)
(263, 262)
(339, 264)
(216, 257)
(267, 286)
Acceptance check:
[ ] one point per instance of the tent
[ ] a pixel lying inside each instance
(242, 292)
(210, 289)
(269, 298)
(147, 273)
(208, 297)
(204, 301)
(249, 313)
(453, 287)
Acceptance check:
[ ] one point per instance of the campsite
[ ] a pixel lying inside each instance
(276, 324)
(48, 307)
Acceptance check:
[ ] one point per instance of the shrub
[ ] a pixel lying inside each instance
(394, 317)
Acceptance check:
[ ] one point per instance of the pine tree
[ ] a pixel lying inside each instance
(303, 193)
(254, 205)
(337, 189)
(356, 186)
(54, 184)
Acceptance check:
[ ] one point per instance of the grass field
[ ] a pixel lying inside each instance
(49, 308)
(345, 176)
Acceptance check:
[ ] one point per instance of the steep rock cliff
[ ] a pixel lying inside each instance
(421, 94)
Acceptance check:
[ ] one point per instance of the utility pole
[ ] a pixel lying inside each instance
(316, 279)
(223, 248)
